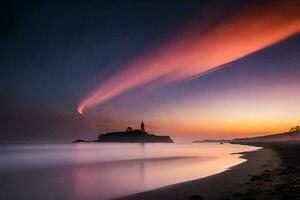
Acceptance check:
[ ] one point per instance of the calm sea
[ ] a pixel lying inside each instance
(105, 171)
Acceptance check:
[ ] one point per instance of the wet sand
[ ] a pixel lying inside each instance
(106, 171)
(281, 183)
(220, 186)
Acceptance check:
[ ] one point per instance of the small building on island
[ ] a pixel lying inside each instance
(142, 128)
(131, 135)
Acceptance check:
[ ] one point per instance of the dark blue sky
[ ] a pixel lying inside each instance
(53, 52)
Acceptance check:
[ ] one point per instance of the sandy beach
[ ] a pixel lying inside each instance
(220, 186)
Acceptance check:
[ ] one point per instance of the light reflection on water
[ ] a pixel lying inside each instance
(103, 171)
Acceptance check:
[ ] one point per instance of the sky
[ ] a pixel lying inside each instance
(189, 69)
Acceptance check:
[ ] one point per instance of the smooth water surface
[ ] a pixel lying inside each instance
(103, 171)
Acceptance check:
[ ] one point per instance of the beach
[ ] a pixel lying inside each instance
(279, 183)
(270, 172)
(230, 184)
(95, 171)
(150, 100)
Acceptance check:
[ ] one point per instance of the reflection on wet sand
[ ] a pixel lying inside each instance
(108, 171)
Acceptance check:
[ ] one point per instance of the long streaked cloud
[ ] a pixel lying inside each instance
(190, 54)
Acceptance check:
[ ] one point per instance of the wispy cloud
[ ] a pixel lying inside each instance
(190, 54)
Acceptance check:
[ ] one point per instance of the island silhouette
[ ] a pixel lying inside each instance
(131, 135)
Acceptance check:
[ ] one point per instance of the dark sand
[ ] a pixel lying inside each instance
(231, 184)
(281, 183)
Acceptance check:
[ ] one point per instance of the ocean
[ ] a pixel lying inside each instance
(94, 171)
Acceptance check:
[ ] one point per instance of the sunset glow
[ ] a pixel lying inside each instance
(188, 69)
(186, 57)
(150, 100)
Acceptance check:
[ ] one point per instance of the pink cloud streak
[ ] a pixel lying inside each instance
(184, 57)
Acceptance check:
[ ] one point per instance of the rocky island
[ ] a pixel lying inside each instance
(131, 135)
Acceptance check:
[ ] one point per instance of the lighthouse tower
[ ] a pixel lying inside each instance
(142, 127)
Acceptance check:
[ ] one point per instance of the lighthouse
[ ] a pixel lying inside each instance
(142, 127)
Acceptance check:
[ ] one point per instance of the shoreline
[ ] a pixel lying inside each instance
(218, 185)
